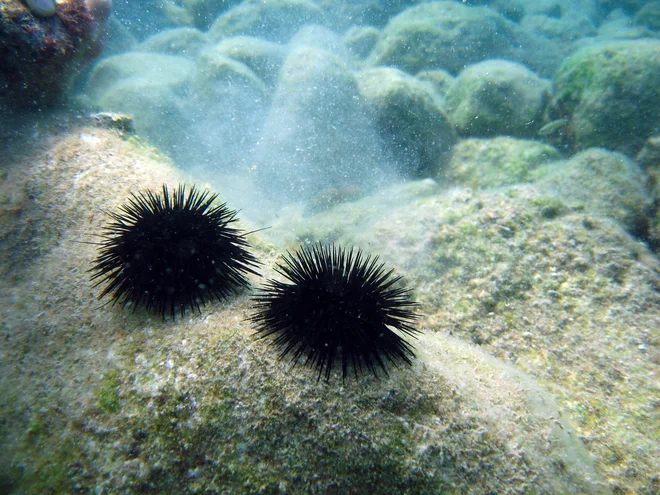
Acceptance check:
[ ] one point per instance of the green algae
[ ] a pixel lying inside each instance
(44, 465)
(609, 94)
(109, 399)
(496, 162)
(550, 207)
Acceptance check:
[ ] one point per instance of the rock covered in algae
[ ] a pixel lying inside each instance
(544, 276)
(452, 35)
(497, 97)
(495, 162)
(107, 400)
(610, 93)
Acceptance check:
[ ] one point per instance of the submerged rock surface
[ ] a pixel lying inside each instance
(99, 398)
(536, 370)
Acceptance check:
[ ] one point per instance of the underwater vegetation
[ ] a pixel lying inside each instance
(339, 304)
(171, 252)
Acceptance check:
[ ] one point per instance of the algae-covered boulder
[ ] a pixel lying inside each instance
(228, 104)
(182, 41)
(151, 87)
(497, 97)
(151, 68)
(562, 8)
(649, 159)
(409, 119)
(449, 36)
(204, 12)
(263, 57)
(440, 80)
(272, 20)
(620, 27)
(219, 80)
(564, 29)
(649, 156)
(649, 16)
(158, 112)
(360, 40)
(605, 183)
(496, 162)
(317, 135)
(558, 289)
(363, 12)
(152, 17)
(611, 94)
(105, 399)
(321, 37)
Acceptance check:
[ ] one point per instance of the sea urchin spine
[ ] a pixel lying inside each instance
(339, 305)
(173, 252)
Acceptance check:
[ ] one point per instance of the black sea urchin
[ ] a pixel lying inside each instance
(339, 305)
(172, 252)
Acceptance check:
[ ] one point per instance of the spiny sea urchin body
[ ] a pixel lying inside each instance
(339, 305)
(172, 252)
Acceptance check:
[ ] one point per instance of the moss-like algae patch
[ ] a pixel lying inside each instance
(609, 93)
(109, 394)
(546, 281)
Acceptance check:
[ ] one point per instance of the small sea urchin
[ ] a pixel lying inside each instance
(172, 252)
(339, 305)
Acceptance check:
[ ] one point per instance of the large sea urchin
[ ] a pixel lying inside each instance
(172, 252)
(339, 304)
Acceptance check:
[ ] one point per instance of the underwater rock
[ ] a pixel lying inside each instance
(42, 8)
(150, 68)
(272, 20)
(227, 105)
(619, 27)
(322, 38)
(197, 404)
(604, 183)
(649, 16)
(649, 156)
(152, 16)
(317, 135)
(514, 10)
(497, 162)
(182, 41)
(565, 29)
(440, 80)
(611, 95)
(204, 12)
(119, 39)
(47, 198)
(450, 35)
(558, 9)
(375, 13)
(158, 111)
(360, 40)
(409, 119)
(117, 121)
(149, 86)
(497, 97)
(537, 280)
(265, 58)
(219, 79)
(43, 49)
